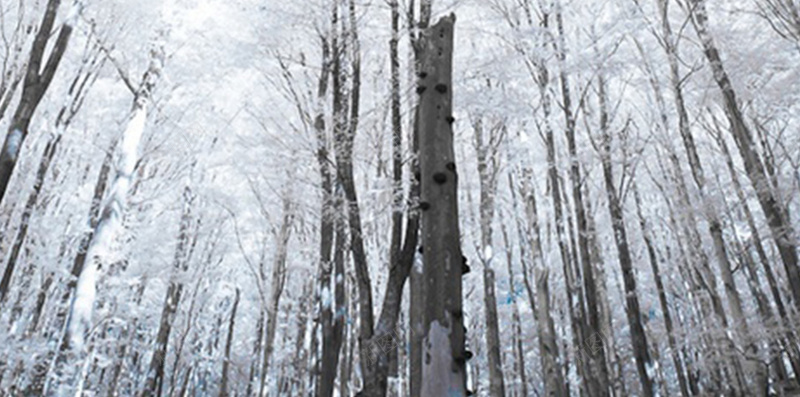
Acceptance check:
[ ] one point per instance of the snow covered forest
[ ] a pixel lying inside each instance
(270, 198)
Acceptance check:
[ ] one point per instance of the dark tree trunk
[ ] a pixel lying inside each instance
(662, 296)
(155, 374)
(552, 372)
(487, 171)
(444, 363)
(37, 80)
(639, 339)
(223, 387)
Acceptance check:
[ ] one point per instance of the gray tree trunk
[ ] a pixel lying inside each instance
(443, 353)
(487, 172)
(552, 374)
(155, 374)
(223, 387)
(639, 339)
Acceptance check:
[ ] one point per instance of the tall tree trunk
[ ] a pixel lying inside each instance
(223, 387)
(639, 339)
(81, 83)
(326, 220)
(22, 232)
(278, 281)
(416, 288)
(155, 374)
(709, 210)
(444, 364)
(37, 80)
(487, 172)
(662, 294)
(791, 348)
(552, 375)
(598, 381)
(41, 368)
(519, 349)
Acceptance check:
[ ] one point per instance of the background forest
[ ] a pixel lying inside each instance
(218, 197)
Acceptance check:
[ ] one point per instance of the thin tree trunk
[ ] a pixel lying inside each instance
(711, 213)
(326, 219)
(639, 339)
(519, 349)
(155, 374)
(487, 172)
(662, 294)
(223, 388)
(22, 232)
(552, 375)
(278, 281)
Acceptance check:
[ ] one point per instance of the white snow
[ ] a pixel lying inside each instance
(14, 141)
(74, 12)
(487, 252)
(325, 296)
(83, 302)
(418, 265)
(131, 139)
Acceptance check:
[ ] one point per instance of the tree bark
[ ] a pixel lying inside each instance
(223, 387)
(662, 295)
(155, 374)
(444, 356)
(487, 172)
(639, 339)
(278, 281)
(416, 288)
(552, 374)
(519, 348)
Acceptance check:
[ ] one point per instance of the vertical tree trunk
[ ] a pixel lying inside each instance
(326, 217)
(598, 381)
(81, 83)
(662, 295)
(155, 374)
(552, 375)
(711, 213)
(223, 387)
(487, 172)
(22, 232)
(416, 288)
(444, 357)
(278, 281)
(519, 349)
(639, 339)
